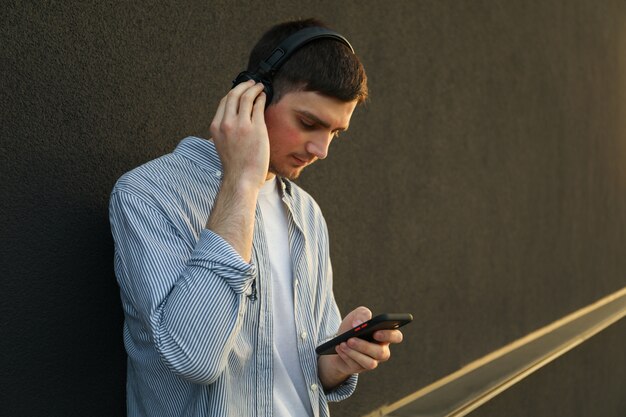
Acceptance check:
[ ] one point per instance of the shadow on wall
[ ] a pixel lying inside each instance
(59, 263)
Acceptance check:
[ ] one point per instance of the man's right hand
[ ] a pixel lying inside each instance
(241, 139)
(240, 135)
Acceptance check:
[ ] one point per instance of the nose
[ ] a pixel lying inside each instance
(318, 146)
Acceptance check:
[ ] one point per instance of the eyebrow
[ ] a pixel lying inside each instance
(318, 120)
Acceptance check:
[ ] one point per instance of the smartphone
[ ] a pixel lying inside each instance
(366, 330)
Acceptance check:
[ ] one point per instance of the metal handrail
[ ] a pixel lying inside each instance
(473, 385)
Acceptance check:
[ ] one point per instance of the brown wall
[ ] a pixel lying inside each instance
(483, 188)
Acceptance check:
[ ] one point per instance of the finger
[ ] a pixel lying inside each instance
(377, 351)
(363, 361)
(361, 315)
(354, 318)
(247, 100)
(258, 112)
(233, 98)
(389, 336)
(350, 363)
(217, 118)
(241, 87)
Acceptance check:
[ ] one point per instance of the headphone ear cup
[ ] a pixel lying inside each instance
(242, 78)
(267, 84)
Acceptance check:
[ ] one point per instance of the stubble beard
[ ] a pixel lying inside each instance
(291, 175)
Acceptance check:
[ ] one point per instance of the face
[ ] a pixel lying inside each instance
(301, 126)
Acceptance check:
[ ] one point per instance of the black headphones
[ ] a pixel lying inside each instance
(269, 66)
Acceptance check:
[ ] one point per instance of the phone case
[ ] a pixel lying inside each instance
(366, 330)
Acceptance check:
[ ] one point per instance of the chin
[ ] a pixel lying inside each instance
(290, 173)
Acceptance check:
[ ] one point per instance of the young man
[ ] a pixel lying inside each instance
(223, 261)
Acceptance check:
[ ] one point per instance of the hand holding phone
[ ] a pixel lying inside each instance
(388, 321)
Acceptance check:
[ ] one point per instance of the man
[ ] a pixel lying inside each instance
(223, 261)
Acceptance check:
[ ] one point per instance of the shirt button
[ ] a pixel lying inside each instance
(314, 387)
(297, 283)
(303, 335)
(218, 174)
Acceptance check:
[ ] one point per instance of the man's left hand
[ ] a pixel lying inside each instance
(356, 355)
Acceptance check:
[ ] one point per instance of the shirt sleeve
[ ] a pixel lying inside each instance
(331, 320)
(344, 390)
(188, 299)
(347, 388)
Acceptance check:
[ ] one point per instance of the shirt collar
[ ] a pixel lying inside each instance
(203, 153)
(285, 186)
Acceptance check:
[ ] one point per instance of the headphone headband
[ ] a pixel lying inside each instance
(292, 43)
(268, 67)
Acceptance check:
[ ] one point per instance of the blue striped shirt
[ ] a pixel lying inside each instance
(198, 321)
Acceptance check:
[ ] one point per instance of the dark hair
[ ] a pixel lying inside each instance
(324, 65)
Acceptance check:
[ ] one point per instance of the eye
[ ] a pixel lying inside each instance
(306, 124)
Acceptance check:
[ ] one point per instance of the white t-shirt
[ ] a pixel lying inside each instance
(291, 396)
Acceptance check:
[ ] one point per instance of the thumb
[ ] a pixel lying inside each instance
(354, 318)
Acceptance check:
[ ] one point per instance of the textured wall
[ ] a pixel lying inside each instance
(483, 188)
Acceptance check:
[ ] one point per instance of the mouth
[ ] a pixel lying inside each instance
(300, 162)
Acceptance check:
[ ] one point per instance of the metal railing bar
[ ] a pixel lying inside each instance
(471, 386)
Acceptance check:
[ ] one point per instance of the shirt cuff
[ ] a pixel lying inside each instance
(344, 390)
(216, 254)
